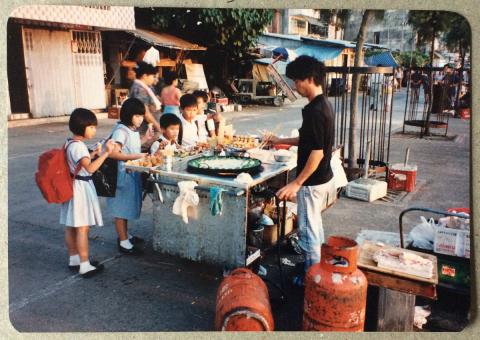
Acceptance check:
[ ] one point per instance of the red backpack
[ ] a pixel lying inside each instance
(53, 176)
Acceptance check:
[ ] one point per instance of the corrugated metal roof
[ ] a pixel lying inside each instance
(381, 59)
(283, 36)
(370, 45)
(165, 40)
(329, 42)
(321, 53)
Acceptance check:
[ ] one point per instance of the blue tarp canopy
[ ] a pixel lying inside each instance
(321, 53)
(381, 59)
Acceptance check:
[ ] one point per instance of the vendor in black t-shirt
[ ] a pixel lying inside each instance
(314, 174)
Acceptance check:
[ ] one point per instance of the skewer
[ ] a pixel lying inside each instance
(269, 135)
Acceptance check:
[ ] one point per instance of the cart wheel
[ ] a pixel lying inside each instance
(278, 101)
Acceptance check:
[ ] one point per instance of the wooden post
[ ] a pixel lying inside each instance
(396, 311)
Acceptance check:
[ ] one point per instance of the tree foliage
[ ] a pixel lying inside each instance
(407, 59)
(336, 17)
(459, 34)
(429, 24)
(233, 31)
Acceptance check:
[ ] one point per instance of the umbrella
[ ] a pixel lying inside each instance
(280, 52)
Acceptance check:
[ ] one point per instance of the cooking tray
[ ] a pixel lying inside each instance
(200, 166)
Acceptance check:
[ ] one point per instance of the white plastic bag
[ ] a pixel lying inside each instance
(339, 176)
(423, 234)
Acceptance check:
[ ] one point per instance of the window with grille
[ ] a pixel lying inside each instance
(301, 24)
(86, 42)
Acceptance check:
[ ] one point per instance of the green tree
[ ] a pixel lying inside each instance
(336, 17)
(233, 30)
(227, 33)
(429, 25)
(413, 58)
(458, 38)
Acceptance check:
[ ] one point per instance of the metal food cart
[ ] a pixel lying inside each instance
(221, 239)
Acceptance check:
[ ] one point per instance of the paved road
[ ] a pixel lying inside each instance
(289, 116)
(158, 292)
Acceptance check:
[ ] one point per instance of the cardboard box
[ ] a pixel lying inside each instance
(270, 232)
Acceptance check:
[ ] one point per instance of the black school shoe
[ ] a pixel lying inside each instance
(93, 272)
(133, 251)
(77, 268)
(134, 240)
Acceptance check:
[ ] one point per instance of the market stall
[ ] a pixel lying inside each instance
(202, 234)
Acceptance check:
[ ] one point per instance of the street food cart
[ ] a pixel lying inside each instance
(221, 239)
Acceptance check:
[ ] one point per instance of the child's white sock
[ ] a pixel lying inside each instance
(85, 267)
(74, 260)
(126, 244)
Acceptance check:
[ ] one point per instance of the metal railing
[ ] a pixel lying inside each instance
(445, 98)
(374, 110)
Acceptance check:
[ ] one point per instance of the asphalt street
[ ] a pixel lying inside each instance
(158, 292)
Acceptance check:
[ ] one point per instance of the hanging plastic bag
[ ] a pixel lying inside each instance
(423, 234)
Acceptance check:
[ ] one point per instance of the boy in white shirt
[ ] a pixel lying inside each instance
(191, 132)
(170, 126)
(213, 121)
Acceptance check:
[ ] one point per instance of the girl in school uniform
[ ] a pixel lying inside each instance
(127, 203)
(83, 210)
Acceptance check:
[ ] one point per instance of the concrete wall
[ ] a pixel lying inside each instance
(394, 31)
(119, 17)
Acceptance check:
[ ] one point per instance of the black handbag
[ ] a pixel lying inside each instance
(105, 178)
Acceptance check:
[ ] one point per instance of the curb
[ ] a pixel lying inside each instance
(47, 120)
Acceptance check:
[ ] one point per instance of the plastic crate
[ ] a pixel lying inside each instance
(402, 178)
(454, 242)
(453, 271)
(464, 113)
(459, 210)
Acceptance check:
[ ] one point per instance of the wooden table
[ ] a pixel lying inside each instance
(397, 290)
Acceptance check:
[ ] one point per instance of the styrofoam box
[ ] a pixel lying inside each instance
(366, 189)
(453, 242)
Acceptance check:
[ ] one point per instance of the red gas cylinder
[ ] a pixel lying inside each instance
(243, 303)
(335, 290)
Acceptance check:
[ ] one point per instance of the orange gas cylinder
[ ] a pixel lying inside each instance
(335, 290)
(243, 303)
